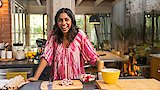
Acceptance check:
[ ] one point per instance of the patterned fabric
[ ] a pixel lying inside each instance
(69, 62)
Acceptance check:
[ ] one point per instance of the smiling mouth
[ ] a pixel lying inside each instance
(64, 29)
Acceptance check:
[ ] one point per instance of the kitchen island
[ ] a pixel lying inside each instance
(36, 86)
(121, 84)
(130, 84)
(30, 67)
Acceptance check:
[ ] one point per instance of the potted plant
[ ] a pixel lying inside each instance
(142, 51)
(105, 45)
(126, 35)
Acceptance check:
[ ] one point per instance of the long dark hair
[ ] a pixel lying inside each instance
(73, 30)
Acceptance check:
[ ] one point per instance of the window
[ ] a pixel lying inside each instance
(152, 30)
(38, 27)
(18, 23)
(82, 22)
(103, 30)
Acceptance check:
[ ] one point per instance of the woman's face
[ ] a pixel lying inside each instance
(64, 22)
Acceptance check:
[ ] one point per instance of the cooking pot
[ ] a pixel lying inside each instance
(105, 46)
(19, 54)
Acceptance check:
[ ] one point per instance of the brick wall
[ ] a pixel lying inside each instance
(5, 22)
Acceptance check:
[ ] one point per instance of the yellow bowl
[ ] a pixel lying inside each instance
(110, 75)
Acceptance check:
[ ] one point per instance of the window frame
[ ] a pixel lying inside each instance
(18, 22)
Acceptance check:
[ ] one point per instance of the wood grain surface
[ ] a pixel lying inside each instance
(11, 59)
(130, 84)
(77, 85)
(110, 57)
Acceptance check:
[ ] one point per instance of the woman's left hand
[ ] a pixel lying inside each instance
(100, 65)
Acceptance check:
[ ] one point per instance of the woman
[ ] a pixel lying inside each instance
(67, 49)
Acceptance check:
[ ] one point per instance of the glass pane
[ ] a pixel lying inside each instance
(148, 27)
(80, 21)
(34, 37)
(20, 38)
(36, 23)
(16, 39)
(45, 26)
(16, 22)
(36, 28)
(20, 21)
(90, 29)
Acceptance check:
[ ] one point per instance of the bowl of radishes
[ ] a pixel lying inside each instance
(85, 78)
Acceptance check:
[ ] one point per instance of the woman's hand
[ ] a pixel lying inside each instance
(32, 79)
(100, 64)
(41, 67)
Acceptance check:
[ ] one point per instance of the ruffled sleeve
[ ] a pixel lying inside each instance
(48, 50)
(88, 51)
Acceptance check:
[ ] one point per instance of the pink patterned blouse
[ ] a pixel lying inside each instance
(69, 62)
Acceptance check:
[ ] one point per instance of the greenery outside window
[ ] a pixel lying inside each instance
(38, 27)
(102, 30)
(82, 22)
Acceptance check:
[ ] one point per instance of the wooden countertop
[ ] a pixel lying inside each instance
(107, 56)
(37, 85)
(77, 85)
(155, 55)
(130, 84)
(17, 63)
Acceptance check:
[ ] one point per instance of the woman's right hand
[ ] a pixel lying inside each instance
(39, 70)
(32, 79)
(100, 65)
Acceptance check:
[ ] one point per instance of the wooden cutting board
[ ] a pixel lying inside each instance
(11, 59)
(77, 85)
(130, 84)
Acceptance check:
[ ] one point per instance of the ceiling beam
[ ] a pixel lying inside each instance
(39, 2)
(116, 1)
(98, 2)
(78, 2)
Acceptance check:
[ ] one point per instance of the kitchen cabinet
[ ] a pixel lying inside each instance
(16, 66)
(155, 67)
(22, 66)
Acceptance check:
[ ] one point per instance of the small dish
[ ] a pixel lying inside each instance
(85, 78)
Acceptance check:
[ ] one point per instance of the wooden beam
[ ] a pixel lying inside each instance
(116, 1)
(78, 2)
(98, 2)
(39, 2)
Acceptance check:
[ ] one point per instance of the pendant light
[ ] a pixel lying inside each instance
(94, 19)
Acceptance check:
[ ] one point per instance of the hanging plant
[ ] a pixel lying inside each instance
(125, 33)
